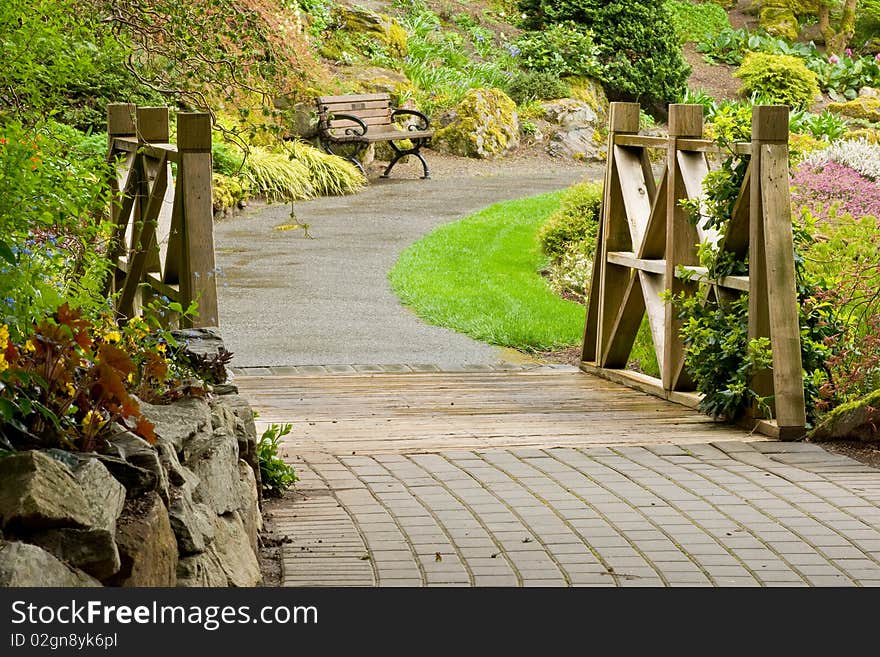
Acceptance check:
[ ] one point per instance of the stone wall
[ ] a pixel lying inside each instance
(182, 512)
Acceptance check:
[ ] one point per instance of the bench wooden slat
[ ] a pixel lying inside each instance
(375, 137)
(325, 100)
(348, 108)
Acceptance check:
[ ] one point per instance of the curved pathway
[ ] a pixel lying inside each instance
(287, 300)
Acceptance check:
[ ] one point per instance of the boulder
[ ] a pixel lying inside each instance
(780, 22)
(377, 80)
(22, 564)
(590, 91)
(855, 420)
(484, 125)
(137, 481)
(863, 107)
(147, 547)
(249, 511)
(192, 523)
(204, 350)
(91, 550)
(245, 431)
(180, 421)
(214, 460)
(177, 473)
(233, 551)
(201, 570)
(103, 492)
(138, 452)
(362, 22)
(38, 492)
(573, 127)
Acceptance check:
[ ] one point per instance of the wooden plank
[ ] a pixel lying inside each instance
(653, 244)
(198, 275)
(736, 235)
(625, 327)
(653, 286)
(329, 100)
(694, 167)
(698, 146)
(685, 122)
(629, 259)
(644, 141)
(634, 191)
(740, 283)
(781, 289)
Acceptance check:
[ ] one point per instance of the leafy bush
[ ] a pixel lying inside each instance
(539, 85)
(694, 21)
(730, 46)
(826, 125)
(226, 158)
(276, 475)
(638, 48)
(576, 220)
(329, 175)
(560, 49)
(778, 78)
(276, 176)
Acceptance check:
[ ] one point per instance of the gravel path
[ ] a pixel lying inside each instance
(288, 300)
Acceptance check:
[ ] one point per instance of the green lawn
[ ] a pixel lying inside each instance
(479, 276)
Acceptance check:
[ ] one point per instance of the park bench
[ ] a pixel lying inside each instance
(369, 119)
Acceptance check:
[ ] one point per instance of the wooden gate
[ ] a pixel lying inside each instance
(161, 207)
(648, 246)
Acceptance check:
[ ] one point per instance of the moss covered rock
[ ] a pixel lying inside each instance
(857, 420)
(359, 24)
(590, 91)
(375, 79)
(864, 107)
(779, 21)
(484, 125)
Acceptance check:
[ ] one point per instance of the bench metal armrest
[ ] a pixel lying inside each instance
(354, 131)
(425, 123)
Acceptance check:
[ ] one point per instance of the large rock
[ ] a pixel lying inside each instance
(137, 481)
(201, 570)
(91, 550)
(856, 420)
(103, 492)
(204, 351)
(22, 564)
(147, 547)
(245, 431)
(214, 460)
(140, 453)
(573, 127)
(360, 22)
(863, 107)
(249, 511)
(780, 22)
(233, 550)
(193, 523)
(180, 421)
(38, 492)
(484, 125)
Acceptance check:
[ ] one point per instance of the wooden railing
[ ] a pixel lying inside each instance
(647, 249)
(163, 241)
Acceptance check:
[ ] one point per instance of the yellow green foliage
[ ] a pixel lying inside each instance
(780, 22)
(865, 107)
(589, 91)
(576, 220)
(778, 78)
(329, 175)
(228, 192)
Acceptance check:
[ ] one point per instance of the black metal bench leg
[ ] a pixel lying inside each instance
(391, 164)
(350, 158)
(424, 165)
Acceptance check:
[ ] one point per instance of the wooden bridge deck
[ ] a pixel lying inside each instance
(415, 412)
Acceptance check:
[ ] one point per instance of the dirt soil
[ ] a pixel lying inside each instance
(270, 542)
(867, 453)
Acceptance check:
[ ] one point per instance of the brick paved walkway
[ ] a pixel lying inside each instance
(731, 512)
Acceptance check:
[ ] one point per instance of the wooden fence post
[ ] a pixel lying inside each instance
(609, 282)
(685, 122)
(773, 304)
(120, 123)
(198, 273)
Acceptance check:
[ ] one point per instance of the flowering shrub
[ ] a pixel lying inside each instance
(857, 155)
(831, 189)
(71, 382)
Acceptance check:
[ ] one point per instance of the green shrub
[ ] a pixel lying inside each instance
(277, 177)
(640, 55)
(561, 49)
(226, 158)
(779, 78)
(276, 475)
(576, 221)
(695, 21)
(536, 85)
(329, 175)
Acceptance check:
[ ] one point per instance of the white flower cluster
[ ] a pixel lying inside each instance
(858, 155)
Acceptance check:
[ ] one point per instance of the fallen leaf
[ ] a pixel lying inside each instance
(438, 556)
